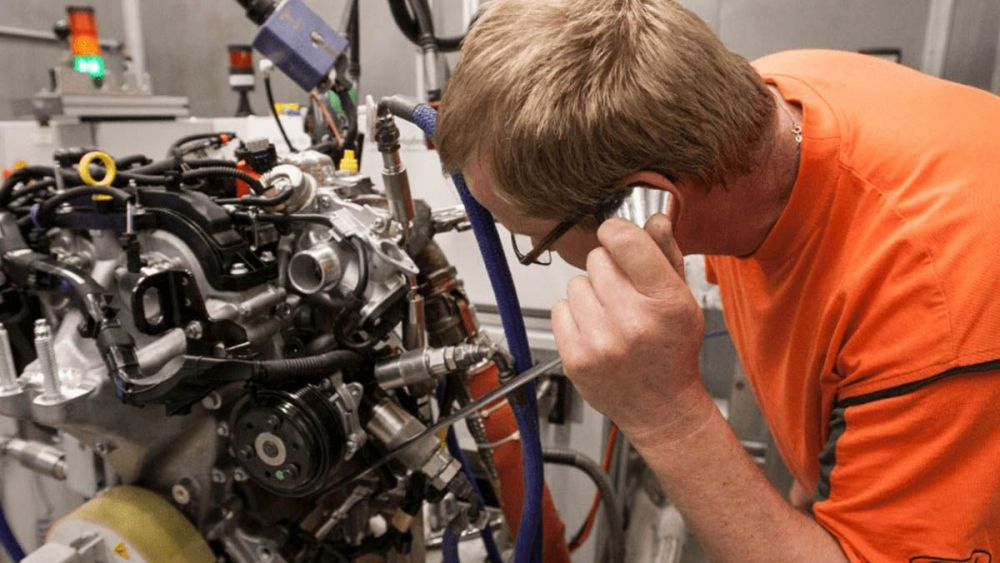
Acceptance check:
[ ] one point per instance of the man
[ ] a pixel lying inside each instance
(849, 211)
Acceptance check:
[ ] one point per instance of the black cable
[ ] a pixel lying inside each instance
(125, 162)
(407, 24)
(223, 171)
(616, 529)
(175, 149)
(308, 367)
(157, 167)
(167, 165)
(354, 35)
(425, 21)
(72, 176)
(350, 109)
(33, 188)
(404, 20)
(258, 10)
(21, 175)
(205, 162)
(274, 111)
(123, 179)
(47, 209)
(279, 219)
(257, 201)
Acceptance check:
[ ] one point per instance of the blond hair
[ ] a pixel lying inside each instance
(559, 99)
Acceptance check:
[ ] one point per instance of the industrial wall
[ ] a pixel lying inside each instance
(185, 40)
(185, 48)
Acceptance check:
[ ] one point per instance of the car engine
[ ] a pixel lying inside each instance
(240, 344)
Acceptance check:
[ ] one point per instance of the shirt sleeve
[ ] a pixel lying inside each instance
(912, 473)
(710, 276)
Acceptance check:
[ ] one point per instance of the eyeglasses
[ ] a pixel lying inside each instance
(635, 203)
(607, 208)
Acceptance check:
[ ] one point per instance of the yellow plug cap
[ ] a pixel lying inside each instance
(348, 162)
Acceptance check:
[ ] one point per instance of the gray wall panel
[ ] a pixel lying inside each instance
(708, 10)
(972, 44)
(755, 28)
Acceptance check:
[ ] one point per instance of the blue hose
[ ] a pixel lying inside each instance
(528, 548)
(449, 546)
(492, 551)
(9, 541)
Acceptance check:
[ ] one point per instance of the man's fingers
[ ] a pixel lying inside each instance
(611, 285)
(638, 256)
(584, 304)
(662, 230)
(564, 326)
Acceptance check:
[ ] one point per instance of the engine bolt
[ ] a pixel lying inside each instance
(270, 450)
(103, 448)
(239, 269)
(212, 401)
(240, 475)
(181, 494)
(267, 256)
(47, 359)
(247, 452)
(273, 422)
(218, 476)
(325, 202)
(8, 372)
(194, 330)
(379, 225)
(222, 429)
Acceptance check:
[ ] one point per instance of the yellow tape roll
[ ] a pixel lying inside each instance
(109, 166)
(139, 525)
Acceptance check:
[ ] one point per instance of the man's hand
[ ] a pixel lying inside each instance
(630, 331)
(629, 334)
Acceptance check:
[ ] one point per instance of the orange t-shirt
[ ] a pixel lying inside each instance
(869, 319)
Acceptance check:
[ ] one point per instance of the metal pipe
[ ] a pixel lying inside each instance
(394, 175)
(427, 364)
(153, 356)
(47, 36)
(8, 372)
(36, 456)
(397, 190)
(132, 21)
(415, 329)
(315, 269)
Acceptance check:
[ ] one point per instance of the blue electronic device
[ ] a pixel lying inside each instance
(300, 43)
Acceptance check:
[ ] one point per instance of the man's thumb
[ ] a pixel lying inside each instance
(661, 230)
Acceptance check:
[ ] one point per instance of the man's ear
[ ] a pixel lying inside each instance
(658, 181)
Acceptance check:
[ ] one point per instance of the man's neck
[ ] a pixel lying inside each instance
(768, 187)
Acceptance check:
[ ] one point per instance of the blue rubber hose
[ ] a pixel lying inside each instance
(9, 541)
(528, 548)
(489, 542)
(449, 546)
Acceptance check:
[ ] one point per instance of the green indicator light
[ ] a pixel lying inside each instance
(279, 475)
(89, 64)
